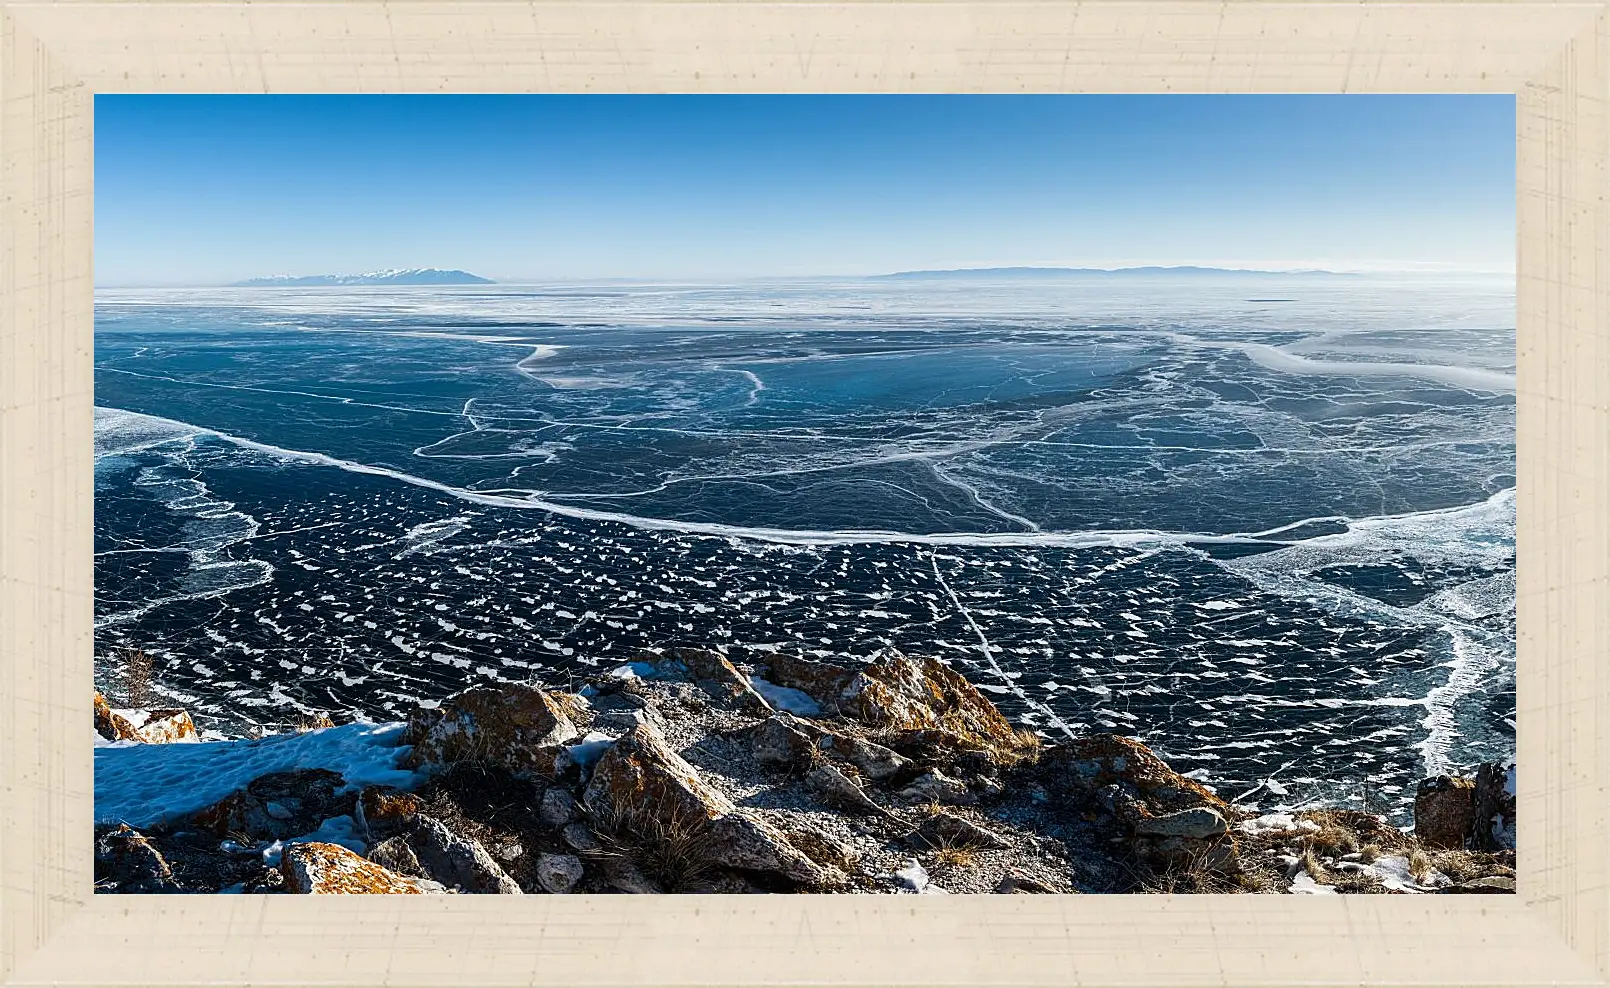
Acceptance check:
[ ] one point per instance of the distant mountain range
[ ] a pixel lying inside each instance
(1186, 270)
(395, 276)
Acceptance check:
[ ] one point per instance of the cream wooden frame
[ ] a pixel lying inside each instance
(54, 56)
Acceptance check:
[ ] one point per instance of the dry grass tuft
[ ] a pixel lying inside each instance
(1309, 861)
(1256, 881)
(671, 847)
(953, 858)
(1419, 865)
(311, 722)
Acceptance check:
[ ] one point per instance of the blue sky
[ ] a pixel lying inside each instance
(211, 189)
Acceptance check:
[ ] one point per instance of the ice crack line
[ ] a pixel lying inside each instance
(989, 652)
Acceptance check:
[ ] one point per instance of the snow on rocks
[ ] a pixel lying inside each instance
(786, 698)
(912, 875)
(143, 784)
(1304, 884)
(1272, 823)
(146, 726)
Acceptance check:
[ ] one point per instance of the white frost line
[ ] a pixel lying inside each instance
(1131, 538)
(989, 653)
(277, 391)
(541, 352)
(1267, 779)
(756, 385)
(1276, 359)
(978, 499)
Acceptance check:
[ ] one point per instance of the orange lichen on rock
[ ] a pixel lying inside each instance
(330, 869)
(510, 725)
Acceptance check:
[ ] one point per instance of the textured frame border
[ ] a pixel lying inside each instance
(54, 56)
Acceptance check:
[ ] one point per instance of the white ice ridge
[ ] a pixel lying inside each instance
(1276, 359)
(785, 536)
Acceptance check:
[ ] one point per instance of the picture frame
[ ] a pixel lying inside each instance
(1555, 58)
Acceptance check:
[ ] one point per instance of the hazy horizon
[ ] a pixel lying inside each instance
(207, 190)
(718, 280)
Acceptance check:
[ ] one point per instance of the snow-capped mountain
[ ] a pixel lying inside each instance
(393, 276)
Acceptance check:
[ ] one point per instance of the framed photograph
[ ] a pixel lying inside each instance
(808, 494)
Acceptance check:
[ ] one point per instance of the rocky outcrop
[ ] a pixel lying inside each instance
(458, 861)
(161, 726)
(105, 726)
(1493, 818)
(1122, 773)
(515, 727)
(896, 776)
(330, 869)
(641, 785)
(1478, 813)
(904, 693)
(1445, 811)
(129, 862)
(823, 682)
(383, 811)
(715, 675)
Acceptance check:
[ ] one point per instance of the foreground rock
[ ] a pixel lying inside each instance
(158, 726)
(458, 861)
(694, 770)
(513, 726)
(130, 863)
(278, 805)
(1445, 811)
(640, 785)
(329, 869)
(899, 693)
(1454, 812)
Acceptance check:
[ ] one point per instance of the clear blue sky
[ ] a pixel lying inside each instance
(210, 189)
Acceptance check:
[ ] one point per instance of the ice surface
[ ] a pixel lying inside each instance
(1256, 535)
